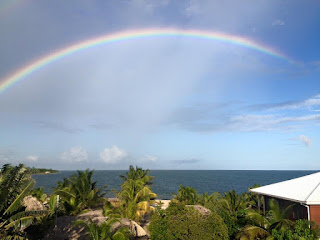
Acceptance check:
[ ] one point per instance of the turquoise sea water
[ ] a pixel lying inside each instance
(168, 181)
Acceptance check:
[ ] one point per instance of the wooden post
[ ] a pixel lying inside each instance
(259, 203)
(264, 206)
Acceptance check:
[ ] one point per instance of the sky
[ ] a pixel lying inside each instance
(161, 102)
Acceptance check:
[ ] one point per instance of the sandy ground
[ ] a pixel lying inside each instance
(165, 203)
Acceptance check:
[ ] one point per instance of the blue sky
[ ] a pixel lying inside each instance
(162, 103)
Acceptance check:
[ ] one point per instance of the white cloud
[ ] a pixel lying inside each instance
(33, 158)
(113, 155)
(305, 140)
(75, 154)
(312, 104)
(228, 117)
(268, 122)
(278, 22)
(149, 158)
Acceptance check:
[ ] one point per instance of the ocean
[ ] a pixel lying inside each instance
(168, 181)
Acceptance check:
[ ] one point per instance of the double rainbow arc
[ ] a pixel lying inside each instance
(30, 68)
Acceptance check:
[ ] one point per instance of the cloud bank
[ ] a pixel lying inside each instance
(113, 155)
(75, 154)
(32, 158)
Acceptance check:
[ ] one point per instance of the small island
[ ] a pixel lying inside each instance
(33, 170)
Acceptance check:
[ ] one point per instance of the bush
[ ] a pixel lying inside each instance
(179, 222)
(301, 230)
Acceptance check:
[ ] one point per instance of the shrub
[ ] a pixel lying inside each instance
(302, 230)
(179, 222)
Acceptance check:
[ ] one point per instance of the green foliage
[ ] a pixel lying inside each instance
(252, 199)
(104, 231)
(15, 184)
(179, 222)
(275, 225)
(138, 173)
(39, 194)
(136, 195)
(278, 217)
(39, 229)
(301, 231)
(186, 195)
(231, 208)
(79, 192)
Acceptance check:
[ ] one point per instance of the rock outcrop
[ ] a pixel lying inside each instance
(66, 230)
(32, 204)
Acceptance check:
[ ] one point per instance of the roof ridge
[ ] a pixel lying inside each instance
(312, 191)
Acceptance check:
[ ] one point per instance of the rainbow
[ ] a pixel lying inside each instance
(30, 68)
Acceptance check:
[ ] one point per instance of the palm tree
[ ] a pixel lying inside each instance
(260, 226)
(252, 199)
(136, 195)
(104, 231)
(80, 192)
(138, 173)
(210, 201)
(233, 202)
(279, 218)
(232, 209)
(15, 184)
(186, 195)
(257, 227)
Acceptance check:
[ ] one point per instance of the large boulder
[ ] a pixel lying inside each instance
(66, 230)
(32, 204)
(136, 230)
(95, 215)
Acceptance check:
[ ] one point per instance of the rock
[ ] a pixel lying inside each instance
(201, 209)
(135, 228)
(32, 204)
(115, 202)
(95, 215)
(66, 230)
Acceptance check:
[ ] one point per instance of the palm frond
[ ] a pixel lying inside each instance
(16, 203)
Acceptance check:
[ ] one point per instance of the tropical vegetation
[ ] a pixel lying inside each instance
(15, 184)
(181, 222)
(104, 231)
(226, 216)
(136, 195)
(79, 192)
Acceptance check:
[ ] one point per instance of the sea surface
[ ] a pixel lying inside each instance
(168, 181)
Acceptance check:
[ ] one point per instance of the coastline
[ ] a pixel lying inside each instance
(43, 173)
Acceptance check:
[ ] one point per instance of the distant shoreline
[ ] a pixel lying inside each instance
(44, 173)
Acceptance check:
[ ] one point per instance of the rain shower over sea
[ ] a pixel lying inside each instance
(168, 181)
